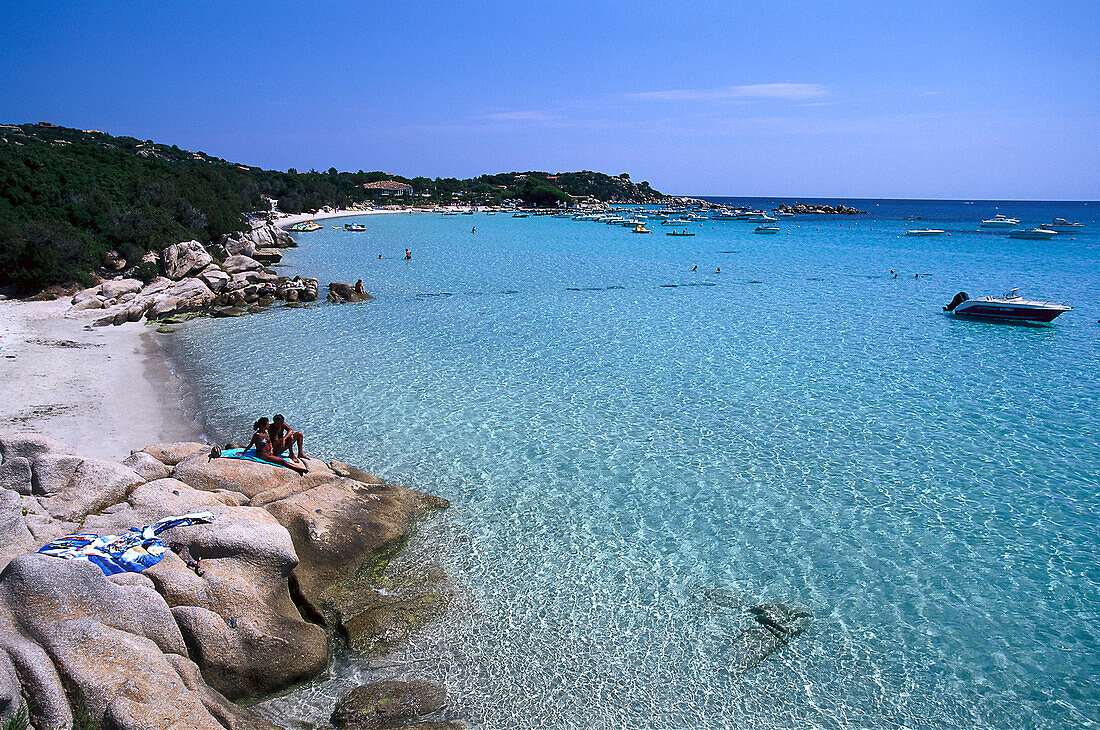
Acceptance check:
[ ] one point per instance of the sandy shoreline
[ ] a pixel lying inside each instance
(292, 219)
(102, 390)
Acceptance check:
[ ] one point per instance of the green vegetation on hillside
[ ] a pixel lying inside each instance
(67, 197)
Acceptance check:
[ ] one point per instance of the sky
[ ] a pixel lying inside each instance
(932, 99)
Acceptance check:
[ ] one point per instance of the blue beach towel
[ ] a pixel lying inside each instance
(250, 455)
(132, 552)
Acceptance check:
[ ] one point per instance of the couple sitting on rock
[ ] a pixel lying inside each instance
(275, 436)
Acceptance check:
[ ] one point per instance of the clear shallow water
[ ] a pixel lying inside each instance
(623, 440)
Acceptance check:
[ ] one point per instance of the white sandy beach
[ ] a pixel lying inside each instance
(290, 220)
(101, 390)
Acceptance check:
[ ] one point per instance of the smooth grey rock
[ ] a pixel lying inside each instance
(29, 446)
(173, 453)
(145, 465)
(41, 591)
(37, 673)
(15, 536)
(239, 264)
(91, 303)
(85, 295)
(214, 278)
(101, 661)
(71, 493)
(267, 255)
(183, 259)
(115, 288)
(15, 474)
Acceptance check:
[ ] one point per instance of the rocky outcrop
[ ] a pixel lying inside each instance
(819, 209)
(184, 259)
(216, 619)
(262, 236)
(267, 255)
(338, 292)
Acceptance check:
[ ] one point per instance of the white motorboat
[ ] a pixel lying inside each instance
(766, 229)
(925, 232)
(1011, 306)
(1033, 234)
(1000, 221)
(1061, 224)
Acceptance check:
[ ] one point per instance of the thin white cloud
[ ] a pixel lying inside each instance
(790, 92)
(525, 115)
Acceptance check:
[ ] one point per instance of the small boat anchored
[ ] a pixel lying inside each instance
(1011, 306)
(685, 232)
(354, 227)
(640, 228)
(766, 229)
(925, 232)
(1000, 221)
(1061, 224)
(305, 227)
(1033, 234)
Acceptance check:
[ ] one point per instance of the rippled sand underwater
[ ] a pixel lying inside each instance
(638, 454)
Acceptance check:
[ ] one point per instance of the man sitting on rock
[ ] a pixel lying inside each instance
(262, 441)
(284, 438)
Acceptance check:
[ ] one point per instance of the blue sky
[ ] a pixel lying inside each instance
(856, 99)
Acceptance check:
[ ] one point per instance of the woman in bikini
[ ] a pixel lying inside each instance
(262, 441)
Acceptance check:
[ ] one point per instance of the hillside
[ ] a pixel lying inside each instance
(70, 196)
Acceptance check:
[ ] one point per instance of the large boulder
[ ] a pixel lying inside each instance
(247, 477)
(173, 453)
(15, 536)
(72, 487)
(115, 288)
(183, 297)
(184, 259)
(41, 591)
(127, 683)
(145, 465)
(214, 278)
(267, 255)
(239, 264)
(345, 534)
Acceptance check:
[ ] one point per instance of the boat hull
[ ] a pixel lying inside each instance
(991, 310)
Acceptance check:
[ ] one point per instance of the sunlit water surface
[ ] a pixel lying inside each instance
(623, 438)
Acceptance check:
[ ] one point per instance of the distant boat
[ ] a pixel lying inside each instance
(925, 232)
(1033, 234)
(1061, 224)
(520, 215)
(1011, 306)
(354, 227)
(766, 229)
(640, 228)
(467, 212)
(305, 227)
(678, 233)
(1000, 221)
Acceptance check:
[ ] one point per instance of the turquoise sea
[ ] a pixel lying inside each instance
(636, 453)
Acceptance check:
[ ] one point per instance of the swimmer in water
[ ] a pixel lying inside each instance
(718, 270)
(694, 268)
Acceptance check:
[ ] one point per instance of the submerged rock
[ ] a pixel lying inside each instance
(384, 704)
